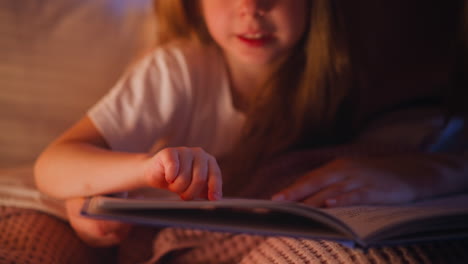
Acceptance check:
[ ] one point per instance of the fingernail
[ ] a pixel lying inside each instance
(278, 197)
(217, 196)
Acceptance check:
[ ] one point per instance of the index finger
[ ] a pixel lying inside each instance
(215, 180)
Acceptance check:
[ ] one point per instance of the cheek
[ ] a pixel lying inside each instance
(294, 21)
(218, 29)
(217, 14)
(217, 24)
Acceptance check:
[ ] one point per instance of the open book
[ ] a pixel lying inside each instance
(364, 226)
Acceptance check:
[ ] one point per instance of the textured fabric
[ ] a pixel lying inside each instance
(176, 245)
(195, 246)
(57, 57)
(28, 236)
(177, 96)
(201, 247)
(17, 189)
(281, 250)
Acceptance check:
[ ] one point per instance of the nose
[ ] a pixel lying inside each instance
(253, 7)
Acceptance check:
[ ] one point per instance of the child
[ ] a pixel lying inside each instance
(238, 82)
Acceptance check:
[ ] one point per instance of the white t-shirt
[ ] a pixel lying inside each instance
(173, 97)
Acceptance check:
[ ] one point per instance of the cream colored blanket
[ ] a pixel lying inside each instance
(17, 189)
(215, 248)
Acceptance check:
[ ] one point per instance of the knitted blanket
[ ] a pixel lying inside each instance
(31, 236)
(208, 247)
(175, 245)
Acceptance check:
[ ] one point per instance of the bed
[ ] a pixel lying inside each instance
(57, 58)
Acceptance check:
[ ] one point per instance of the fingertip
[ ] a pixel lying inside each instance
(184, 197)
(215, 196)
(215, 183)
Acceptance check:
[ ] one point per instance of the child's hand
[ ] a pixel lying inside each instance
(353, 182)
(189, 172)
(96, 233)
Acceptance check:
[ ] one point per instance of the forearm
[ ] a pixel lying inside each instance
(69, 170)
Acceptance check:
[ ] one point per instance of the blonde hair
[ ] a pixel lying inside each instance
(179, 20)
(302, 97)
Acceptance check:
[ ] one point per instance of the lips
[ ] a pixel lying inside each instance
(255, 39)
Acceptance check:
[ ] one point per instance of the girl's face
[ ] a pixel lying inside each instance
(255, 32)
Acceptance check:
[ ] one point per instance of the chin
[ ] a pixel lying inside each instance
(258, 60)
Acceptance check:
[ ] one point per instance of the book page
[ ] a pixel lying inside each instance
(162, 199)
(368, 220)
(366, 224)
(254, 216)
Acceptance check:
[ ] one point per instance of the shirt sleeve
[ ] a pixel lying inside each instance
(146, 103)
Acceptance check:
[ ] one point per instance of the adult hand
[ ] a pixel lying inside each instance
(96, 233)
(344, 182)
(189, 172)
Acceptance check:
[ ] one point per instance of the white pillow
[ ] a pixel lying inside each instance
(57, 58)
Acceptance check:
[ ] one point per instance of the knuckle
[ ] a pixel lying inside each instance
(172, 165)
(198, 150)
(167, 155)
(166, 152)
(183, 179)
(184, 149)
(199, 180)
(178, 151)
